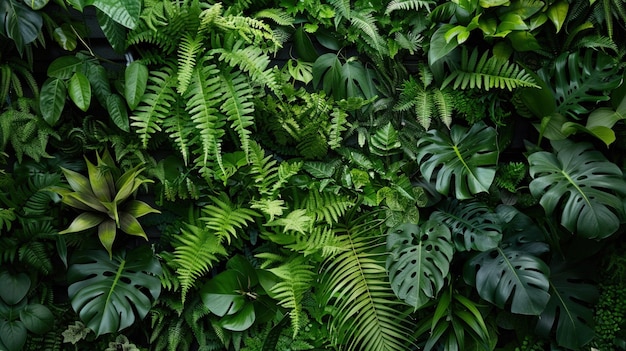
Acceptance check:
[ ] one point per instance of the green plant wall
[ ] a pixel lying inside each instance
(318, 175)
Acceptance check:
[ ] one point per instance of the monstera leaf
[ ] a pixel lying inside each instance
(512, 274)
(473, 225)
(468, 157)
(111, 294)
(419, 261)
(581, 183)
(569, 306)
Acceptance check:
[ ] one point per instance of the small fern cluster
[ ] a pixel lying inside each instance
(510, 175)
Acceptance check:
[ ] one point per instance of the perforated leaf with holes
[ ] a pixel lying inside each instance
(582, 185)
(419, 261)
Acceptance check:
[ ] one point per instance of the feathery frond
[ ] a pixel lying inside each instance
(155, 104)
(188, 51)
(279, 16)
(354, 288)
(225, 218)
(195, 251)
(409, 5)
(250, 59)
(487, 73)
(326, 206)
(238, 106)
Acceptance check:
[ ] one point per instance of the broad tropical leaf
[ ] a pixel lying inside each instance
(111, 294)
(569, 309)
(512, 275)
(473, 225)
(464, 158)
(419, 261)
(581, 186)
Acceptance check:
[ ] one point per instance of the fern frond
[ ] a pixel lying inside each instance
(35, 254)
(155, 104)
(338, 124)
(250, 59)
(189, 49)
(279, 16)
(238, 106)
(269, 207)
(203, 98)
(195, 251)
(365, 21)
(342, 7)
(326, 206)
(354, 288)
(444, 105)
(177, 125)
(7, 216)
(595, 42)
(487, 73)
(298, 221)
(409, 5)
(297, 278)
(320, 239)
(224, 218)
(411, 41)
(423, 108)
(263, 169)
(313, 145)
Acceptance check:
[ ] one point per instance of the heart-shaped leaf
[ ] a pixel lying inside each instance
(419, 261)
(111, 294)
(13, 287)
(12, 335)
(37, 318)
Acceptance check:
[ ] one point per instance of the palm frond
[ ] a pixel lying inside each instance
(487, 73)
(364, 312)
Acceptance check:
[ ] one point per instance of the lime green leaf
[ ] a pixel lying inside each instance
(138, 208)
(101, 181)
(523, 41)
(79, 91)
(65, 37)
(439, 46)
(130, 225)
(511, 22)
(558, 13)
(52, 100)
(106, 233)
(84, 221)
(493, 3)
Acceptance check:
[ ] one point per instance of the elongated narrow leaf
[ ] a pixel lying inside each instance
(64, 67)
(419, 261)
(581, 186)
(117, 110)
(52, 100)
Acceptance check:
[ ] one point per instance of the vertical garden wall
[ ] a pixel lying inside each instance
(312, 175)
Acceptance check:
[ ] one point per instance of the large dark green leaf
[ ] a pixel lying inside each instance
(473, 225)
(37, 318)
(52, 100)
(113, 31)
(19, 22)
(581, 185)
(419, 261)
(13, 287)
(124, 12)
(569, 308)
(12, 335)
(464, 158)
(111, 294)
(439, 46)
(512, 275)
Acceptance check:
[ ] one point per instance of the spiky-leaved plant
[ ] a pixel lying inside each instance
(104, 198)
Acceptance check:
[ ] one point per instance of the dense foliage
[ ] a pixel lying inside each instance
(312, 175)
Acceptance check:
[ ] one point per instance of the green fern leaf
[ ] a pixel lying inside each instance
(424, 108)
(338, 124)
(270, 207)
(179, 129)
(195, 251)
(408, 5)
(155, 104)
(444, 105)
(327, 206)
(354, 288)
(6, 217)
(319, 239)
(264, 169)
(250, 59)
(297, 221)
(238, 106)
(487, 73)
(190, 47)
(279, 16)
(224, 218)
(203, 98)
(365, 21)
(35, 254)
(342, 7)
(297, 278)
